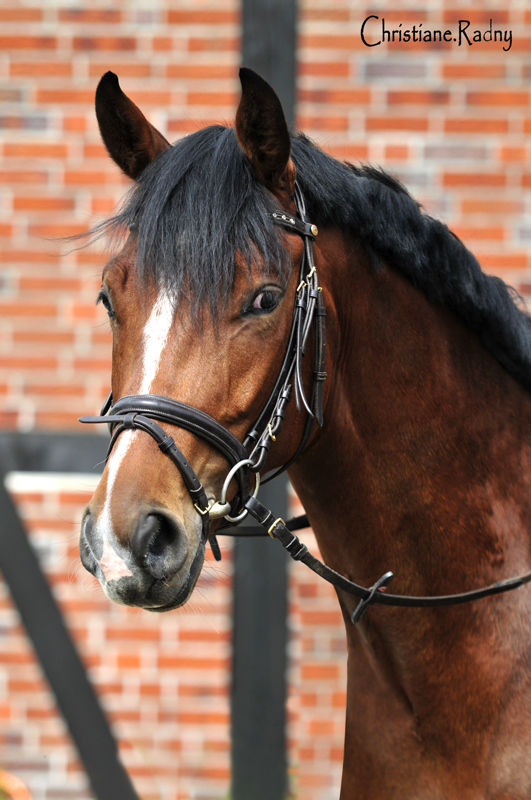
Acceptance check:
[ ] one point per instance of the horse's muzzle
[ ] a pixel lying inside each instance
(151, 572)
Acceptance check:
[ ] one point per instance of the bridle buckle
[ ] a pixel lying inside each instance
(278, 521)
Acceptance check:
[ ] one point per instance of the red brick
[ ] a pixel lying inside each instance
(126, 661)
(323, 123)
(200, 690)
(329, 14)
(396, 123)
(23, 176)
(206, 16)
(331, 96)
(475, 125)
(90, 15)
(212, 98)
(120, 43)
(502, 260)
(207, 71)
(493, 232)
(189, 662)
(501, 98)
(187, 125)
(474, 179)
(20, 14)
(123, 69)
(55, 337)
(26, 686)
(476, 16)
(321, 727)
(331, 42)
(321, 617)
(197, 44)
(44, 203)
(513, 154)
(96, 364)
(349, 152)
(319, 672)
(82, 177)
(150, 690)
(60, 96)
(51, 283)
(17, 658)
(330, 68)
(24, 309)
(72, 123)
(465, 71)
(162, 43)
(28, 42)
(476, 206)
(396, 152)
(41, 68)
(31, 150)
(57, 230)
(137, 633)
(203, 635)
(418, 98)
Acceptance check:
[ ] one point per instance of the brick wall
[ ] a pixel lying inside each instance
(451, 121)
(163, 680)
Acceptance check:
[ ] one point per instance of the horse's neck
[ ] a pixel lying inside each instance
(425, 453)
(423, 467)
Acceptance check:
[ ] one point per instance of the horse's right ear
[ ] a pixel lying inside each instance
(263, 134)
(132, 142)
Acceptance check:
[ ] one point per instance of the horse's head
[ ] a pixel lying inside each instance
(200, 300)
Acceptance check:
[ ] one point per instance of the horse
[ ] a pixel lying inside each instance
(412, 454)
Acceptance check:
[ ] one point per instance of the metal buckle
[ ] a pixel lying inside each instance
(274, 525)
(204, 511)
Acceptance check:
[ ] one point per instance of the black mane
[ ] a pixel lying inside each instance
(199, 203)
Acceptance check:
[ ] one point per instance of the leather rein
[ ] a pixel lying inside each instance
(141, 412)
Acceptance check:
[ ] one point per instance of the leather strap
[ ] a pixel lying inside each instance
(374, 594)
(184, 416)
(300, 226)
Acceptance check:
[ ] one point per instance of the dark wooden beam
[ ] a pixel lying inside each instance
(260, 612)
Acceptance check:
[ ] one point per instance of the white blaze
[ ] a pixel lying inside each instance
(155, 337)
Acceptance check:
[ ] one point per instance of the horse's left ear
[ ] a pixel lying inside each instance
(263, 134)
(132, 142)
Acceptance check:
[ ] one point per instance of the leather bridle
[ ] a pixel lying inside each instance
(141, 412)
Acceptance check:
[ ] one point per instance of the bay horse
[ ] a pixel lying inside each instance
(420, 461)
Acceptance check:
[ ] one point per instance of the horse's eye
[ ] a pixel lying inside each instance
(266, 301)
(104, 298)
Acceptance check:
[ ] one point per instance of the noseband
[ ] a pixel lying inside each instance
(140, 412)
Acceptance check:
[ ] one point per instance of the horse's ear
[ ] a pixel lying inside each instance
(132, 142)
(263, 134)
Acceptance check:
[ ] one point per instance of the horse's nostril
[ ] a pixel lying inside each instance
(159, 545)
